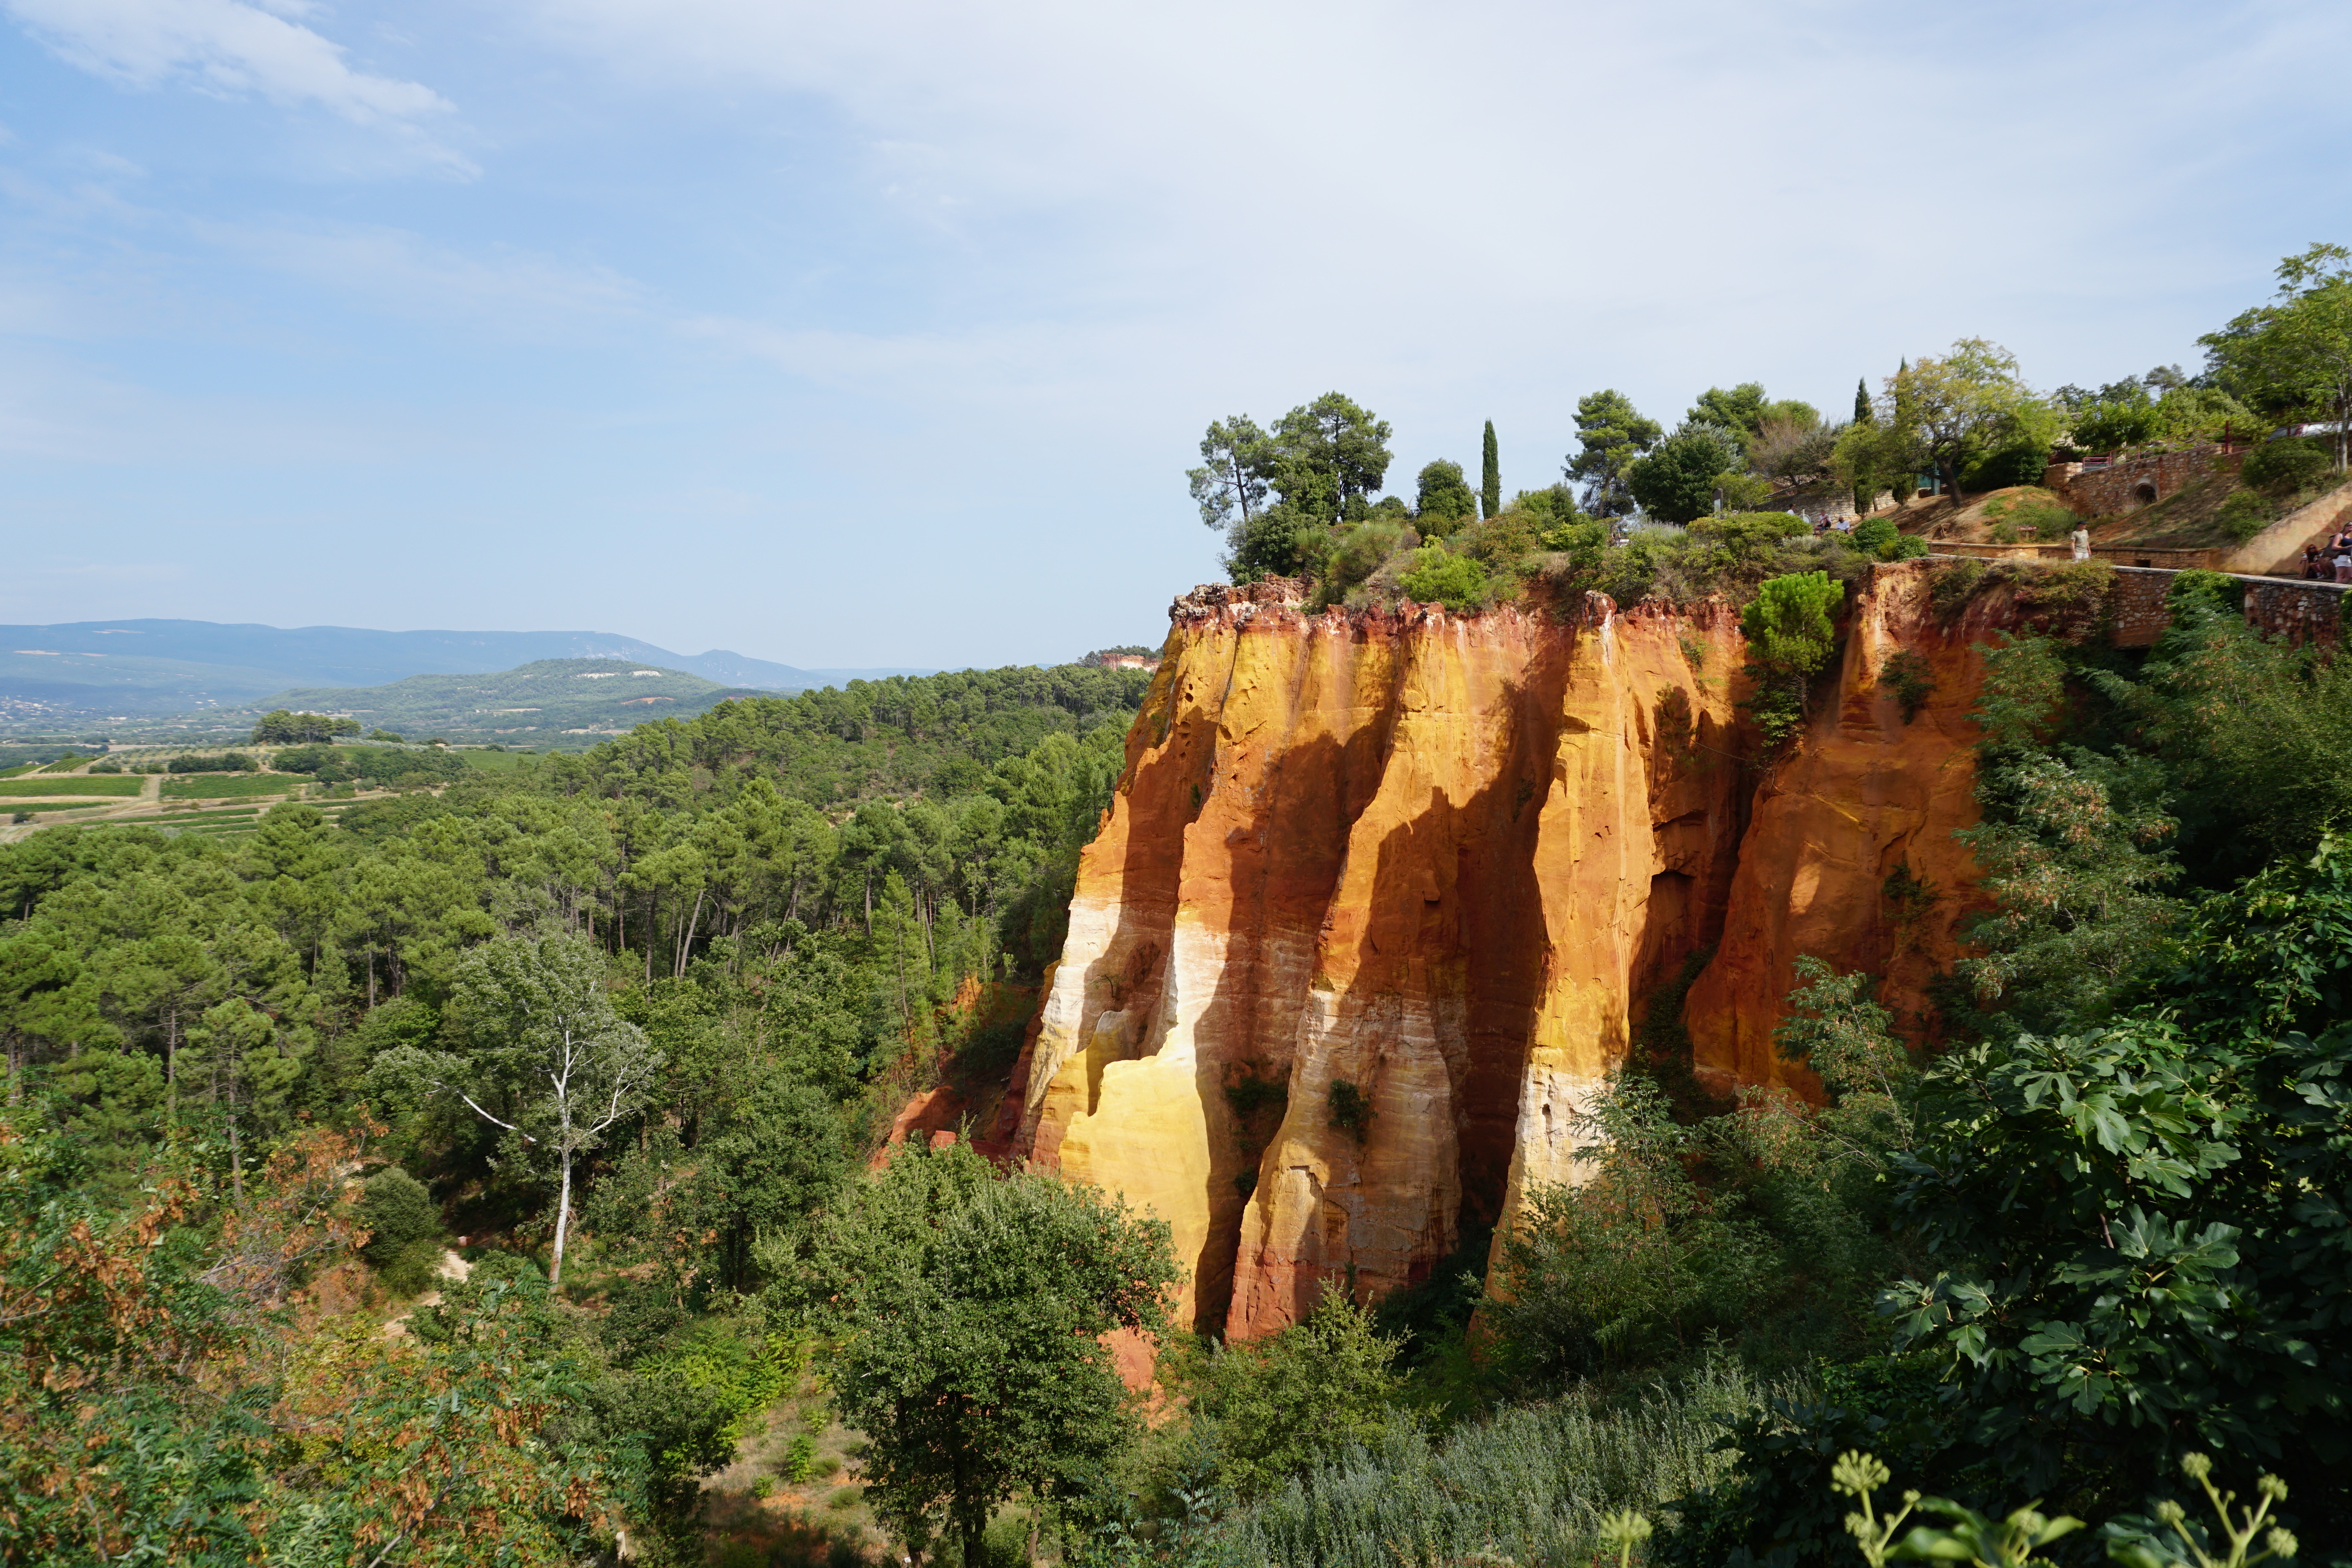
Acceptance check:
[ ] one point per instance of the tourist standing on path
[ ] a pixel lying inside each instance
(2082, 537)
(2343, 566)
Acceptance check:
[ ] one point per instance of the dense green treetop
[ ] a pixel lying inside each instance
(281, 728)
(1443, 497)
(1326, 456)
(1677, 482)
(1611, 435)
(2295, 355)
(1234, 457)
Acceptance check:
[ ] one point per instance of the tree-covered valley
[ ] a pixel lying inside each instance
(546, 1164)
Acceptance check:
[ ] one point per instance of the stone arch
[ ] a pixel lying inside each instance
(2145, 492)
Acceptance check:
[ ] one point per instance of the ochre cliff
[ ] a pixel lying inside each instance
(1441, 862)
(1849, 854)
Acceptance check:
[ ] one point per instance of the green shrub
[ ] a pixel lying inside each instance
(1780, 1450)
(1276, 542)
(1884, 541)
(2280, 468)
(1439, 577)
(1444, 499)
(1790, 638)
(2244, 514)
(1271, 1408)
(1907, 676)
(1250, 1094)
(1530, 1486)
(2021, 463)
(412, 1271)
(1361, 551)
(1955, 584)
(2071, 596)
(2046, 520)
(1875, 534)
(1748, 533)
(397, 1210)
(1351, 1109)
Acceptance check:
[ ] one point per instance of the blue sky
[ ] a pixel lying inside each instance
(882, 334)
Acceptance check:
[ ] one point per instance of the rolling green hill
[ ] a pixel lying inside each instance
(550, 702)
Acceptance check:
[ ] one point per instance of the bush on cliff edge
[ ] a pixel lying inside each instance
(1790, 638)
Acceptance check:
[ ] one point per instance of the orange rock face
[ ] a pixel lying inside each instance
(1848, 855)
(1381, 894)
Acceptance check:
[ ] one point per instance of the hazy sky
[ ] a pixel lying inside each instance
(881, 333)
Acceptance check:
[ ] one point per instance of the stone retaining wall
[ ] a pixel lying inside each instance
(2115, 555)
(2299, 612)
(2131, 482)
(2135, 609)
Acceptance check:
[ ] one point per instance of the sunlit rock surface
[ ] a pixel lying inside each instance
(1442, 862)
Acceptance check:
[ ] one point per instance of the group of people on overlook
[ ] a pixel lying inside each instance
(2330, 561)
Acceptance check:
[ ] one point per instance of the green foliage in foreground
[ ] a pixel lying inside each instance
(1268, 1410)
(192, 1005)
(154, 1413)
(964, 1309)
(1531, 1486)
(2206, 1141)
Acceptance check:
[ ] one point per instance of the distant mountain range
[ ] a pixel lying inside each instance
(96, 669)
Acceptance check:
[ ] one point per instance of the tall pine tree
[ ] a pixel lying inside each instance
(1490, 477)
(1862, 399)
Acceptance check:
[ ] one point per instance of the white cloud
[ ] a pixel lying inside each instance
(225, 47)
(1502, 193)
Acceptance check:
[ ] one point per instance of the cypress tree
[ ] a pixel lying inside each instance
(1490, 477)
(1862, 399)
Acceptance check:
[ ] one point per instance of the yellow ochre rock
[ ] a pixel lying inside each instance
(1382, 891)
